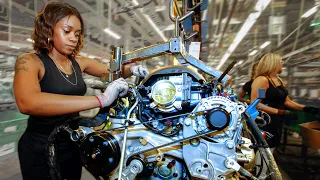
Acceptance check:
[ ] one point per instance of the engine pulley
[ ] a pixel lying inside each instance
(217, 119)
(100, 153)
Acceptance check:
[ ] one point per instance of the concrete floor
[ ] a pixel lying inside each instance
(10, 169)
(291, 161)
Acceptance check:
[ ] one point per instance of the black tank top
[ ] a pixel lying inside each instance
(275, 96)
(54, 81)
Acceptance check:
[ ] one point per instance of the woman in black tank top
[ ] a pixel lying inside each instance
(277, 100)
(246, 88)
(48, 86)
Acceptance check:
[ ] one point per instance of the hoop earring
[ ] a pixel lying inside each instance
(49, 40)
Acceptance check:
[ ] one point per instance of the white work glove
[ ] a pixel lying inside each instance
(116, 88)
(139, 71)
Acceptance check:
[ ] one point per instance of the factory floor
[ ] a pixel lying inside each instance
(10, 169)
(294, 164)
(290, 162)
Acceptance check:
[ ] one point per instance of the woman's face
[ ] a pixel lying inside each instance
(279, 70)
(66, 34)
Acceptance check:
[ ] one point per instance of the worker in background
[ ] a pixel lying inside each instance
(246, 88)
(48, 86)
(277, 100)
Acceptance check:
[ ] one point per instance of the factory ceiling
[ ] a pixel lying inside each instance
(140, 23)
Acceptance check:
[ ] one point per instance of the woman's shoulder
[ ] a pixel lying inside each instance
(261, 78)
(30, 58)
(28, 55)
(81, 59)
(261, 81)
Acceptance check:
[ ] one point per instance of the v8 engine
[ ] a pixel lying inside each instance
(175, 126)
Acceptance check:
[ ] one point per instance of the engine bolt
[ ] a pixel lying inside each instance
(187, 122)
(143, 141)
(175, 174)
(91, 139)
(171, 164)
(229, 144)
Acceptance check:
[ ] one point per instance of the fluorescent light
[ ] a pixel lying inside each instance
(310, 12)
(155, 27)
(83, 54)
(160, 63)
(91, 56)
(253, 52)
(169, 28)
(105, 60)
(265, 44)
(111, 33)
(14, 47)
(30, 40)
(252, 18)
(135, 2)
(160, 8)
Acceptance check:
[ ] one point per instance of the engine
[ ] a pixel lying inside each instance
(178, 127)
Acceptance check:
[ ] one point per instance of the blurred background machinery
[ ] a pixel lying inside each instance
(228, 30)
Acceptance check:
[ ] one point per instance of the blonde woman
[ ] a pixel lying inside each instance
(277, 99)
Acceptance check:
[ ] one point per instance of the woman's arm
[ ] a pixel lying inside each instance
(95, 68)
(293, 105)
(241, 97)
(261, 82)
(29, 98)
(245, 88)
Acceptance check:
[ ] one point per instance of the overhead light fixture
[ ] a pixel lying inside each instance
(155, 27)
(252, 18)
(91, 56)
(111, 33)
(310, 12)
(14, 47)
(160, 8)
(169, 28)
(253, 52)
(30, 40)
(264, 44)
(83, 54)
(135, 2)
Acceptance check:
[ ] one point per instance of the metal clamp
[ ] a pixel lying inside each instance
(184, 17)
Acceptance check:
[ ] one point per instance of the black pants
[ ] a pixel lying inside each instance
(275, 128)
(33, 160)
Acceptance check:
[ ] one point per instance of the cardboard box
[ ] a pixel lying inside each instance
(310, 133)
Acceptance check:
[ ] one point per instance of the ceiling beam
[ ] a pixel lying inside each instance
(138, 28)
(317, 43)
(124, 16)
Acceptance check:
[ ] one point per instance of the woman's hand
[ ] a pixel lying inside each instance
(139, 70)
(288, 114)
(116, 88)
(312, 110)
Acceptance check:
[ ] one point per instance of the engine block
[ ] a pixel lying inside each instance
(189, 131)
